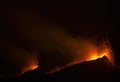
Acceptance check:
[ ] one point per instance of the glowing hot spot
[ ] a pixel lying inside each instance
(33, 67)
(94, 57)
(32, 64)
(103, 50)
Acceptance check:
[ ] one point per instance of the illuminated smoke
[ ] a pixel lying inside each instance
(14, 59)
(32, 64)
(94, 52)
(59, 48)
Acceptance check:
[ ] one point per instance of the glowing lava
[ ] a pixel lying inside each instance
(93, 53)
(103, 50)
(32, 64)
(32, 67)
(94, 57)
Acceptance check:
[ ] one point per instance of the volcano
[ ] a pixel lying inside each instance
(95, 70)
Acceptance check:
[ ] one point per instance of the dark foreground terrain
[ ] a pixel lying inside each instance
(99, 70)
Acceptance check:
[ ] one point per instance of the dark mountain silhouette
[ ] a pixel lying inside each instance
(100, 70)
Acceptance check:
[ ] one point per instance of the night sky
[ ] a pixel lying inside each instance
(31, 26)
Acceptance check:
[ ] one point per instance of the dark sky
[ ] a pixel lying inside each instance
(91, 19)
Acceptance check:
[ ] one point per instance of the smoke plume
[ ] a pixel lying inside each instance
(54, 46)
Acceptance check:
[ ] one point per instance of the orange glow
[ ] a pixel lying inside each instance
(94, 57)
(103, 50)
(32, 64)
(93, 52)
(33, 67)
(58, 68)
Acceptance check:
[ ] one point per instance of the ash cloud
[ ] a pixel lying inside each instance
(53, 45)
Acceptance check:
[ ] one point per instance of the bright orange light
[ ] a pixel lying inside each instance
(94, 57)
(33, 67)
(103, 50)
(32, 64)
(92, 52)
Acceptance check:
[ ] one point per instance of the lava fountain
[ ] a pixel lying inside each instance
(103, 50)
(94, 52)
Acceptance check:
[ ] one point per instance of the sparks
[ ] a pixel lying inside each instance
(103, 50)
(94, 52)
